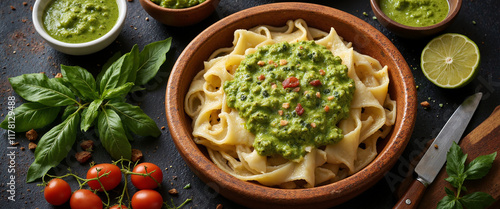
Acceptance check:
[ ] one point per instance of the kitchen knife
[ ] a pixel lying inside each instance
(435, 156)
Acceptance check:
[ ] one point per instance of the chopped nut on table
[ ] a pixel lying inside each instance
(87, 145)
(32, 146)
(59, 75)
(136, 155)
(425, 104)
(173, 192)
(219, 206)
(32, 135)
(83, 156)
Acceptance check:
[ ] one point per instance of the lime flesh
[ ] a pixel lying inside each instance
(450, 60)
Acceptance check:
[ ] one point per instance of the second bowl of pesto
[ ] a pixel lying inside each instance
(415, 18)
(79, 27)
(179, 12)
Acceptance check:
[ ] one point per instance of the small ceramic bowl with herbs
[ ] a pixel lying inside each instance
(79, 27)
(179, 12)
(415, 19)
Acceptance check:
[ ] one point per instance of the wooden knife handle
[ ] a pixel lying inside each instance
(412, 196)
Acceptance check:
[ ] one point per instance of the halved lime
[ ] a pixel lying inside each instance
(450, 60)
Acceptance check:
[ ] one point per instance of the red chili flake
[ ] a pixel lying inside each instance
(315, 83)
(262, 77)
(299, 109)
(291, 82)
(322, 72)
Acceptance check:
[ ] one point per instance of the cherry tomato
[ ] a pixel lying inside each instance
(147, 199)
(85, 199)
(57, 192)
(110, 181)
(118, 207)
(147, 182)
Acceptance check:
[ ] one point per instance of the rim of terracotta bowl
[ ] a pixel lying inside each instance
(195, 7)
(449, 17)
(241, 191)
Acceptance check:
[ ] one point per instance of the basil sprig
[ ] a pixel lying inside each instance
(458, 173)
(87, 102)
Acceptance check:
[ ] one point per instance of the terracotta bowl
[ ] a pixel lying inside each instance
(180, 17)
(366, 40)
(416, 32)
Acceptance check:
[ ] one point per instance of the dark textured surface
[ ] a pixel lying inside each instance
(23, 51)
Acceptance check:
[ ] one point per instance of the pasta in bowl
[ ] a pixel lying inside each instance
(228, 155)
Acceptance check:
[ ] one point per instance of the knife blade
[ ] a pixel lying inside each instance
(435, 157)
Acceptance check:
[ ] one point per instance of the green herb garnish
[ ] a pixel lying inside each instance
(86, 99)
(458, 173)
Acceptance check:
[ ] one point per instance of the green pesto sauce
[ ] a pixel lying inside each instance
(259, 102)
(416, 13)
(79, 21)
(177, 4)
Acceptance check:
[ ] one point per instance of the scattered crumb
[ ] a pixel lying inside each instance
(136, 155)
(32, 135)
(83, 156)
(32, 146)
(59, 75)
(22, 148)
(436, 146)
(163, 128)
(219, 206)
(25, 3)
(147, 18)
(425, 104)
(173, 192)
(15, 144)
(12, 7)
(474, 22)
(441, 105)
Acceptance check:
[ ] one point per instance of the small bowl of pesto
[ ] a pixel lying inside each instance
(179, 13)
(79, 27)
(415, 18)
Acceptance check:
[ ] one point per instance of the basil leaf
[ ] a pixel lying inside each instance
(112, 135)
(455, 160)
(119, 91)
(150, 60)
(53, 147)
(68, 111)
(480, 166)
(66, 83)
(449, 202)
(455, 181)
(477, 200)
(449, 192)
(121, 71)
(106, 65)
(38, 88)
(135, 119)
(31, 116)
(82, 80)
(90, 115)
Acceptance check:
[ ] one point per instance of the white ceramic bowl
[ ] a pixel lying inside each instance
(78, 48)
